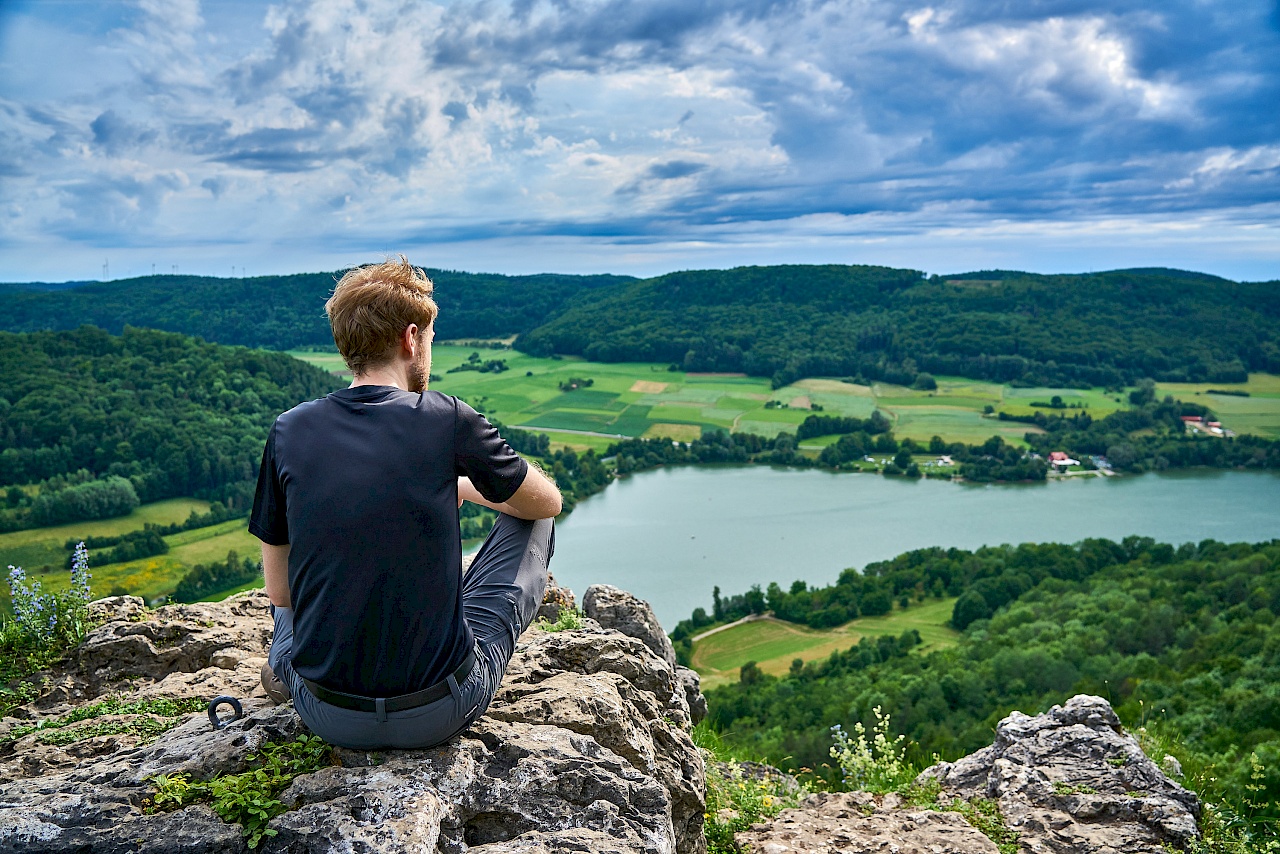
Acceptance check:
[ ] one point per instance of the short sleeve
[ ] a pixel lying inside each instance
(269, 521)
(495, 470)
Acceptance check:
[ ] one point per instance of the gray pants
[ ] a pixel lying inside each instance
(501, 593)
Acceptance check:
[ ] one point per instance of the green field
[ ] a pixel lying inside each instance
(40, 547)
(641, 399)
(148, 577)
(1258, 413)
(773, 644)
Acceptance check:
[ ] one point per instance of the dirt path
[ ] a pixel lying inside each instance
(750, 618)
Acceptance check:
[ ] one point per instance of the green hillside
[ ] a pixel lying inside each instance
(1183, 642)
(1103, 329)
(784, 323)
(280, 312)
(92, 424)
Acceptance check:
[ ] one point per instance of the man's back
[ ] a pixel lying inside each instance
(367, 478)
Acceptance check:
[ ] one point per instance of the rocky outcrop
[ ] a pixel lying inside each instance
(585, 748)
(1072, 780)
(619, 610)
(1069, 781)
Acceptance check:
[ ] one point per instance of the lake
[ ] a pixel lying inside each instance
(671, 535)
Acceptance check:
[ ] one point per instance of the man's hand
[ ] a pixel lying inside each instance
(537, 497)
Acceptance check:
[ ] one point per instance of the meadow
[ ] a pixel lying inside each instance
(1259, 413)
(773, 644)
(150, 577)
(630, 399)
(39, 547)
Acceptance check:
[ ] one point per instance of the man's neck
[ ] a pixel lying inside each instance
(391, 375)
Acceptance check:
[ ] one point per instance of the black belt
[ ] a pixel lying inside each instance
(437, 691)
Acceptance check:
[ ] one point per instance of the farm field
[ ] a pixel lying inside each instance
(156, 576)
(642, 399)
(773, 644)
(1258, 413)
(39, 547)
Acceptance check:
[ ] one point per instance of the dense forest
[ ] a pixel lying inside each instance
(282, 312)
(1104, 329)
(102, 422)
(1182, 639)
(784, 322)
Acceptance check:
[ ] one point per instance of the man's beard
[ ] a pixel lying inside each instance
(420, 373)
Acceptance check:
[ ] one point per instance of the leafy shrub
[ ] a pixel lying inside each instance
(735, 802)
(879, 765)
(570, 618)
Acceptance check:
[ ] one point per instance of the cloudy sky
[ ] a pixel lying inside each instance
(638, 136)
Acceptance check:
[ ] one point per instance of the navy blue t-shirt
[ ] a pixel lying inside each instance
(362, 485)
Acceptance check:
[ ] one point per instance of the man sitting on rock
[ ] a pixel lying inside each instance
(379, 638)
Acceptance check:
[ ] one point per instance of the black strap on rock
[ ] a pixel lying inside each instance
(237, 711)
(382, 705)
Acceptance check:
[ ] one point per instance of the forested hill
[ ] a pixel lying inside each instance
(100, 422)
(886, 324)
(1183, 640)
(785, 322)
(281, 312)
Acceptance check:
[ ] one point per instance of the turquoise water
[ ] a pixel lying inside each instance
(671, 535)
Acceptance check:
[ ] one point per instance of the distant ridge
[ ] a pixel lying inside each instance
(785, 322)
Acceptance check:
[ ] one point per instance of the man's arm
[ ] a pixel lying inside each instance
(537, 497)
(275, 571)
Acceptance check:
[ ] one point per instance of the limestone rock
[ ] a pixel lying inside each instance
(555, 600)
(859, 823)
(585, 748)
(1071, 780)
(691, 684)
(618, 609)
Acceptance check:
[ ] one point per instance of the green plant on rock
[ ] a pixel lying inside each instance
(250, 798)
(570, 618)
(1245, 825)
(879, 765)
(52, 619)
(983, 814)
(735, 802)
(60, 731)
(42, 628)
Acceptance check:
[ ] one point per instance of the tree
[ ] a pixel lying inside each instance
(1122, 455)
(1145, 392)
(969, 607)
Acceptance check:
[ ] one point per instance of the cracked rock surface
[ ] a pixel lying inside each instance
(586, 747)
(861, 823)
(1069, 781)
(1072, 780)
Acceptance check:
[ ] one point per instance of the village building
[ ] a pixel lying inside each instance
(1060, 460)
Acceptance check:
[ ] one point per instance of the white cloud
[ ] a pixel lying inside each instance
(336, 122)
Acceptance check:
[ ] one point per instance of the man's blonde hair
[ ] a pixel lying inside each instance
(372, 306)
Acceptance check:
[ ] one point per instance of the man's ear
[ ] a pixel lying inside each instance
(409, 340)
